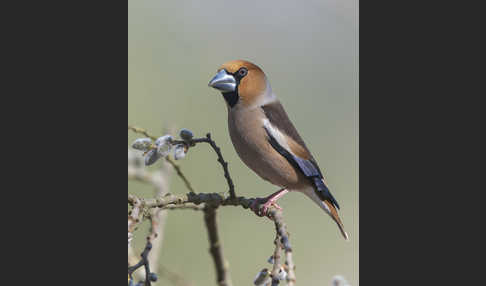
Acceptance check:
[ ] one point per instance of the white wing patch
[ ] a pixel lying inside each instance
(275, 132)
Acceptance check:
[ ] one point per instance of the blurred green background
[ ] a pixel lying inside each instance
(309, 51)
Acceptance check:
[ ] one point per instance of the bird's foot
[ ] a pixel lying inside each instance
(255, 206)
(267, 203)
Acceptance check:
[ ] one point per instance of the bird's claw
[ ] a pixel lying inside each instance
(263, 210)
(255, 207)
(277, 206)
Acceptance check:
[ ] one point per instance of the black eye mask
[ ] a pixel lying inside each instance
(233, 97)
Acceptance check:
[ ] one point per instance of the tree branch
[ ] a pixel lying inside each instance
(217, 150)
(187, 206)
(215, 248)
(282, 243)
(208, 202)
(214, 200)
(144, 262)
(276, 262)
(134, 217)
(141, 131)
(159, 179)
(291, 279)
(181, 175)
(158, 217)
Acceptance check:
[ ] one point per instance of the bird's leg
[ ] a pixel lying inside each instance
(267, 202)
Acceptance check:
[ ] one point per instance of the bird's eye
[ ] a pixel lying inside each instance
(242, 72)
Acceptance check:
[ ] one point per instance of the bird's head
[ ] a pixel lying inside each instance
(241, 83)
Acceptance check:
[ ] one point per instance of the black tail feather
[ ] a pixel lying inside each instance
(323, 192)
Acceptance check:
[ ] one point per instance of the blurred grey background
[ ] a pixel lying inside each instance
(309, 51)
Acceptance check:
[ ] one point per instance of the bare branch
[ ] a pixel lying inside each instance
(212, 199)
(159, 216)
(208, 202)
(132, 260)
(283, 242)
(179, 173)
(141, 131)
(221, 160)
(216, 249)
(187, 206)
(276, 261)
(134, 217)
(291, 279)
(160, 180)
(280, 227)
(144, 262)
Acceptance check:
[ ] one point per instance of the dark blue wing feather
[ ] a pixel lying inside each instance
(308, 167)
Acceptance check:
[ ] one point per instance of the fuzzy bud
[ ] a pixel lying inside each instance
(262, 278)
(164, 145)
(286, 243)
(152, 277)
(166, 139)
(282, 274)
(142, 144)
(186, 134)
(339, 280)
(151, 157)
(179, 152)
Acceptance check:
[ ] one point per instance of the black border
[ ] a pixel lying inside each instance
(65, 108)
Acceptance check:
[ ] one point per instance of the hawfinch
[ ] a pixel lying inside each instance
(267, 141)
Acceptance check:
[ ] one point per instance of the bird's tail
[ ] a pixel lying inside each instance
(334, 215)
(328, 207)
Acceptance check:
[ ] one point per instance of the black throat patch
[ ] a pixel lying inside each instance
(231, 97)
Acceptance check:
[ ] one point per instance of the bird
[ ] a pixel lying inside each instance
(266, 140)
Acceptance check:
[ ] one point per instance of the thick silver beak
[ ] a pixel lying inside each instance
(223, 81)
